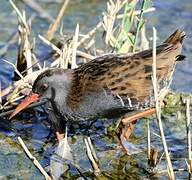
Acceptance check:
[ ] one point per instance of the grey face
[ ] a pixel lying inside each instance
(43, 87)
(52, 84)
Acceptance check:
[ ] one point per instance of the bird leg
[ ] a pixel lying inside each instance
(129, 129)
(61, 127)
(126, 126)
(60, 136)
(129, 119)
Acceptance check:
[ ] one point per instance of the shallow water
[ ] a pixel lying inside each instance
(14, 164)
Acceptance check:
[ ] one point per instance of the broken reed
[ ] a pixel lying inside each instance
(106, 24)
(148, 141)
(158, 110)
(33, 159)
(188, 128)
(91, 154)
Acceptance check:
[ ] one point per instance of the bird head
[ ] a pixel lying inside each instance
(51, 85)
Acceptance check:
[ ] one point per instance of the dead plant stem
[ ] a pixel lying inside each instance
(57, 22)
(188, 119)
(158, 110)
(148, 140)
(34, 160)
(74, 48)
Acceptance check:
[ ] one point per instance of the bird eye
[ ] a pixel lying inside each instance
(44, 86)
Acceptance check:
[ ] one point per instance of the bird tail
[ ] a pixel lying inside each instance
(176, 37)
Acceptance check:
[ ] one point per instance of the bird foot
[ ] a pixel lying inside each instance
(123, 133)
(60, 136)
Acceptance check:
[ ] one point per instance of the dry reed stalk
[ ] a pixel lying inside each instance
(65, 57)
(108, 21)
(85, 55)
(18, 85)
(89, 44)
(148, 141)
(15, 68)
(53, 28)
(46, 41)
(34, 160)
(63, 63)
(92, 156)
(61, 60)
(27, 49)
(90, 34)
(144, 45)
(188, 126)
(67, 51)
(109, 18)
(25, 34)
(158, 110)
(5, 91)
(19, 14)
(13, 39)
(74, 48)
(13, 99)
(93, 150)
(42, 13)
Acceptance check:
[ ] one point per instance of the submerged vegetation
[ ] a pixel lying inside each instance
(120, 30)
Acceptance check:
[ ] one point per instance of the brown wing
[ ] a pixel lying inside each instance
(127, 76)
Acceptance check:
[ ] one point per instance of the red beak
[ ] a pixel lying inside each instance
(26, 102)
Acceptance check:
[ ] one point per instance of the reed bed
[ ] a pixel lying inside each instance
(123, 28)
